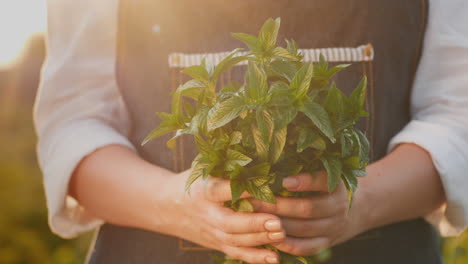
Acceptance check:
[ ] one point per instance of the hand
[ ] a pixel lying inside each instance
(154, 199)
(407, 175)
(201, 218)
(316, 222)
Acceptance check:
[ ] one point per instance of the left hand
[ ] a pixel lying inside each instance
(318, 222)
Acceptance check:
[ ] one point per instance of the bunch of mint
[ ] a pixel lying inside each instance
(285, 118)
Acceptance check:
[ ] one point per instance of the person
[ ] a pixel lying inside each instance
(106, 73)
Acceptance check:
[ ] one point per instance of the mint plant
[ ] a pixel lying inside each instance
(286, 118)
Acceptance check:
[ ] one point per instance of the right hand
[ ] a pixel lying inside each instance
(201, 218)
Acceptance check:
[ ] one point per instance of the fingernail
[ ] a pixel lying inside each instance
(272, 259)
(276, 236)
(290, 183)
(273, 225)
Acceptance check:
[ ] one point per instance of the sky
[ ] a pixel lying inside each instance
(19, 19)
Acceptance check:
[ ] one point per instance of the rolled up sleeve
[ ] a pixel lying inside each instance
(440, 109)
(78, 107)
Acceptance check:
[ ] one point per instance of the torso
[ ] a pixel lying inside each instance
(149, 31)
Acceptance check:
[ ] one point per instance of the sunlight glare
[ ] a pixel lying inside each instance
(19, 19)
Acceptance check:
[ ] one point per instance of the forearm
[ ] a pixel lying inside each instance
(121, 188)
(404, 185)
(116, 185)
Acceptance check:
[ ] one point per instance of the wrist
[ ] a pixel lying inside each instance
(372, 198)
(363, 207)
(403, 185)
(156, 198)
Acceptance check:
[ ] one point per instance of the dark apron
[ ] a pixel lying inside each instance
(150, 30)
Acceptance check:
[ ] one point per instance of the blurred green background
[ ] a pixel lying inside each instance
(25, 237)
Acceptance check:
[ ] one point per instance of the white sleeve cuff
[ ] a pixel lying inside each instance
(448, 151)
(70, 144)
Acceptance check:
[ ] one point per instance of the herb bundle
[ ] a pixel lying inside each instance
(285, 118)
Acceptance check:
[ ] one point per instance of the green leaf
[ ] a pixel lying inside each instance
(249, 40)
(220, 142)
(202, 146)
(342, 122)
(247, 137)
(358, 96)
(234, 158)
(269, 33)
(189, 109)
(303, 260)
(291, 46)
(333, 70)
(357, 99)
(208, 65)
(352, 162)
(323, 255)
(198, 170)
(283, 69)
(346, 144)
(259, 170)
(270, 247)
(277, 144)
(283, 53)
(334, 102)
(291, 167)
(244, 205)
(333, 167)
(201, 98)
(261, 180)
(197, 72)
(363, 146)
(319, 117)
(261, 146)
(281, 94)
(279, 86)
(351, 184)
(237, 189)
(360, 173)
(225, 111)
(308, 138)
(257, 85)
(250, 133)
(198, 124)
(169, 123)
(291, 259)
(157, 132)
(321, 69)
(236, 138)
(262, 193)
(301, 81)
(233, 87)
(265, 124)
(191, 89)
(259, 174)
(227, 63)
(213, 159)
(179, 132)
(230, 90)
(284, 115)
(217, 258)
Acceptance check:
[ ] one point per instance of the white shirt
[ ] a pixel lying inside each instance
(79, 108)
